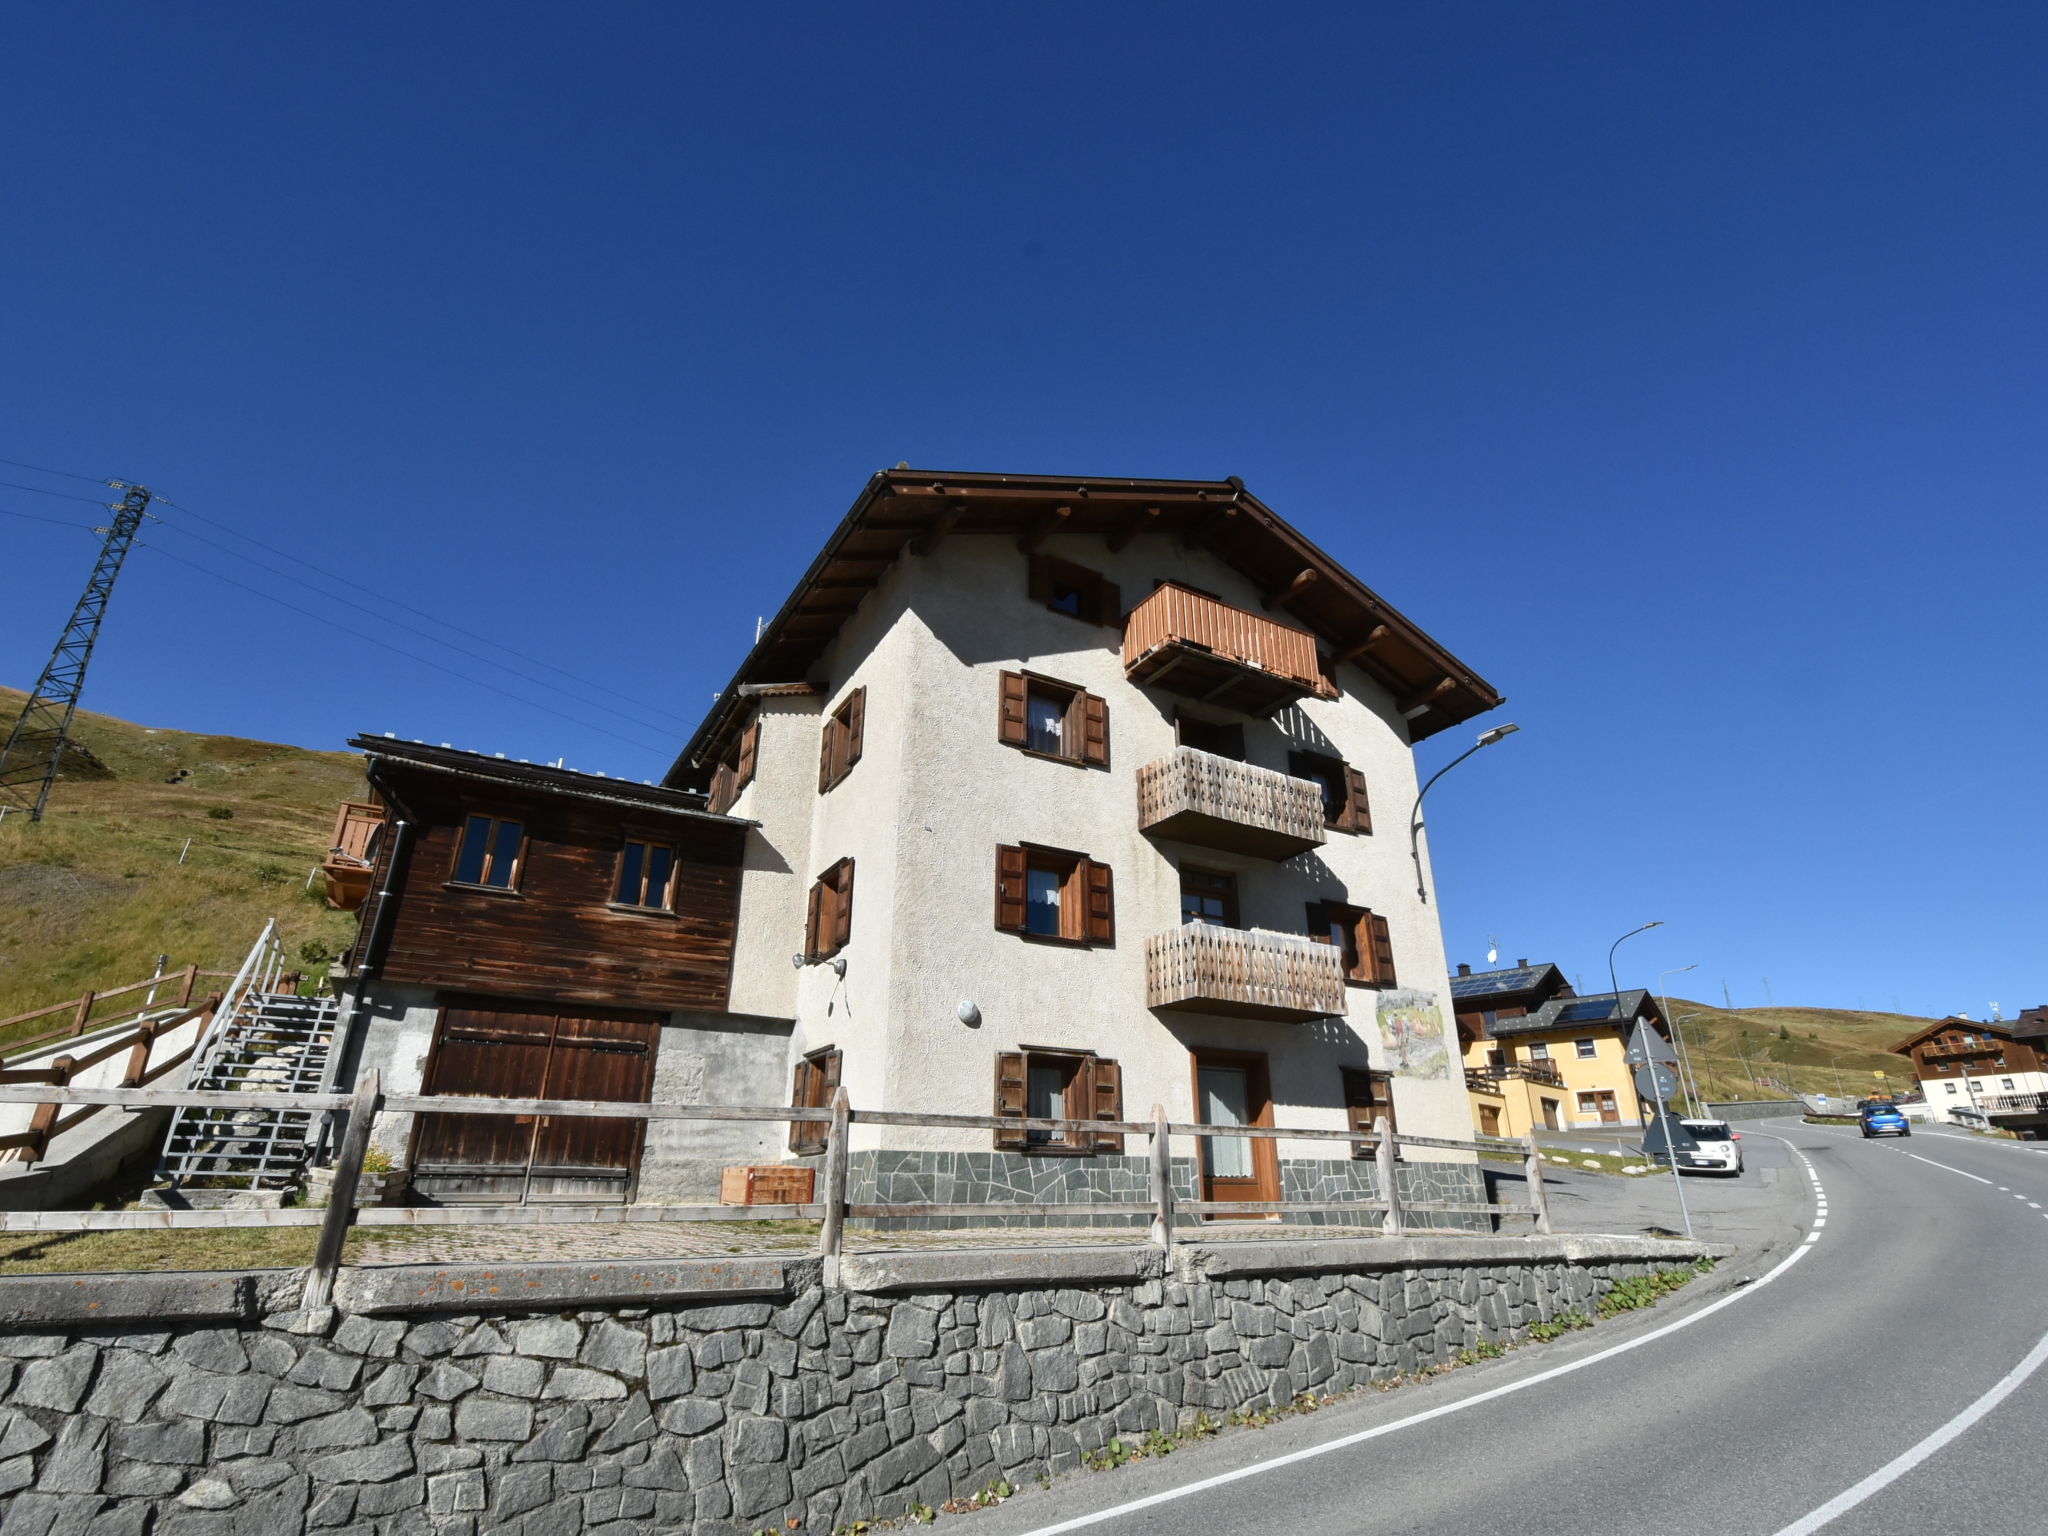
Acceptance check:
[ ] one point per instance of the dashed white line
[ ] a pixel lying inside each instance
(1930, 1162)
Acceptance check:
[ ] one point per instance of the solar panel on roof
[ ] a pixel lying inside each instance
(1587, 1009)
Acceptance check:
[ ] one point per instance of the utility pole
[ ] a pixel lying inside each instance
(35, 748)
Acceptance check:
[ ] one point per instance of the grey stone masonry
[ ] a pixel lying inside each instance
(918, 1377)
(1038, 1185)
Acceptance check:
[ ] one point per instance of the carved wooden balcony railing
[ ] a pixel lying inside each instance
(1194, 645)
(1244, 973)
(2015, 1104)
(1477, 1081)
(1197, 797)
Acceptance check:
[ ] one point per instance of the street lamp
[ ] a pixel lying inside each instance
(1664, 995)
(1685, 1051)
(1486, 739)
(1670, 1148)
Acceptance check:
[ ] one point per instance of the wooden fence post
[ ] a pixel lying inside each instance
(833, 1229)
(1162, 1181)
(1539, 1202)
(45, 1117)
(1390, 1188)
(341, 1205)
(185, 986)
(138, 1058)
(84, 1012)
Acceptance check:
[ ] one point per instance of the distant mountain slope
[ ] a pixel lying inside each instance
(1814, 1050)
(91, 895)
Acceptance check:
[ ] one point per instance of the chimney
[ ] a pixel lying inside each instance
(1464, 969)
(1522, 964)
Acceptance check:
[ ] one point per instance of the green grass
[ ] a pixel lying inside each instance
(91, 895)
(1816, 1050)
(44, 1253)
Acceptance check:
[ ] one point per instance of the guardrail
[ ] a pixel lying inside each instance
(368, 1101)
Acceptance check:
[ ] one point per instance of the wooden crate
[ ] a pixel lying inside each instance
(772, 1184)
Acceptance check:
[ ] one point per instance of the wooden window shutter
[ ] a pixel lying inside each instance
(804, 1135)
(828, 742)
(750, 751)
(842, 906)
(1011, 727)
(1093, 733)
(1100, 898)
(723, 792)
(1010, 889)
(1381, 949)
(828, 1065)
(1010, 1100)
(814, 923)
(855, 731)
(1106, 1102)
(1359, 1108)
(1357, 805)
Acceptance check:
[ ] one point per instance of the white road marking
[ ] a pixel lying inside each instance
(1345, 1442)
(1900, 1465)
(1930, 1162)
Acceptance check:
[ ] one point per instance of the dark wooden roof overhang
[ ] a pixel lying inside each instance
(385, 753)
(909, 511)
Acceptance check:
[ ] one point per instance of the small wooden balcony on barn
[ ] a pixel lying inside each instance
(352, 855)
(1217, 802)
(1244, 973)
(1202, 648)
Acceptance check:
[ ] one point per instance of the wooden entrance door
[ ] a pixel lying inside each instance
(534, 1051)
(1232, 1088)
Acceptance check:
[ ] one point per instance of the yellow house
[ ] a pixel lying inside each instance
(1539, 1058)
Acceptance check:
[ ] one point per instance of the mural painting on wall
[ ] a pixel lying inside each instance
(1412, 1028)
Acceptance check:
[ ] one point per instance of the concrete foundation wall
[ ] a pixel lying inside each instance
(184, 1409)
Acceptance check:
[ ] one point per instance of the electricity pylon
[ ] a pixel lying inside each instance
(35, 748)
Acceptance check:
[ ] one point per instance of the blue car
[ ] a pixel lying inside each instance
(1884, 1120)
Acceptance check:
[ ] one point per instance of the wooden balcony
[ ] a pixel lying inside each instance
(1243, 973)
(1541, 1072)
(1204, 649)
(352, 855)
(1197, 797)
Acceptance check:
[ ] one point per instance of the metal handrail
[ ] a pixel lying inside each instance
(265, 960)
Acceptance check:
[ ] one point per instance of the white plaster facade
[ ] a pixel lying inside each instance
(934, 794)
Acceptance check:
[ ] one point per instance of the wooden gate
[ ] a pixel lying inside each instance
(534, 1051)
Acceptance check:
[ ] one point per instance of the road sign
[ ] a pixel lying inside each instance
(1646, 1046)
(1656, 1082)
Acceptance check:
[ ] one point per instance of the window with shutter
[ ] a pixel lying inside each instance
(817, 1080)
(735, 770)
(1048, 718)
(1039, 1084)
(1361, 935)
(1367, 1098)
(1074, 590)
(1382, 949)
(1346, 807)
(840, 742)
(830, 924)
(1051, 893)
(1357, 804)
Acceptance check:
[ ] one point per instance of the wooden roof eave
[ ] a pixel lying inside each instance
(899, 508)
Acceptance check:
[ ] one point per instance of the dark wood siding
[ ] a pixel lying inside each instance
(555, 936)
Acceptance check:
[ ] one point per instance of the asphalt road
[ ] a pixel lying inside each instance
(1898, 1290)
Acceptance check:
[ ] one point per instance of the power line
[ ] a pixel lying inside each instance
(65, 473)
(420, 612)
(431, 639)
(91, 501)
(399, 651)
(32, 517)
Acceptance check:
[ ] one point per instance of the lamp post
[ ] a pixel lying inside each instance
(1685, 1050)
(1664, 996)
(1486, 739)
(1663, 1126)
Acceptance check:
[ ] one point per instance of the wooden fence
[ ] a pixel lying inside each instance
(368, 1101)
(78, 1012)
(29, 1146)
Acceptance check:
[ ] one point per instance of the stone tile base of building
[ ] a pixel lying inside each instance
(1039, 1185)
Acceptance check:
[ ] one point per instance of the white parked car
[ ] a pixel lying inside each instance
(1714, 1148)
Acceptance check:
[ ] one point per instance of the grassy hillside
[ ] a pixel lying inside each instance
(91, 895)
(1804, 1047)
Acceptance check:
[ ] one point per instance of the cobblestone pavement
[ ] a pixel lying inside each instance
(711, 1239)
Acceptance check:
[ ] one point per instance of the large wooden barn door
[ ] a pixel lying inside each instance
(534, 1051)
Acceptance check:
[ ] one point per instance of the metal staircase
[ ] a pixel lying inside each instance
(264, 1040)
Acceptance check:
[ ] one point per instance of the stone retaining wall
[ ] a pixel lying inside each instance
(179, 1405)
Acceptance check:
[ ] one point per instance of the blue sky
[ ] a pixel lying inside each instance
(1680, 367)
